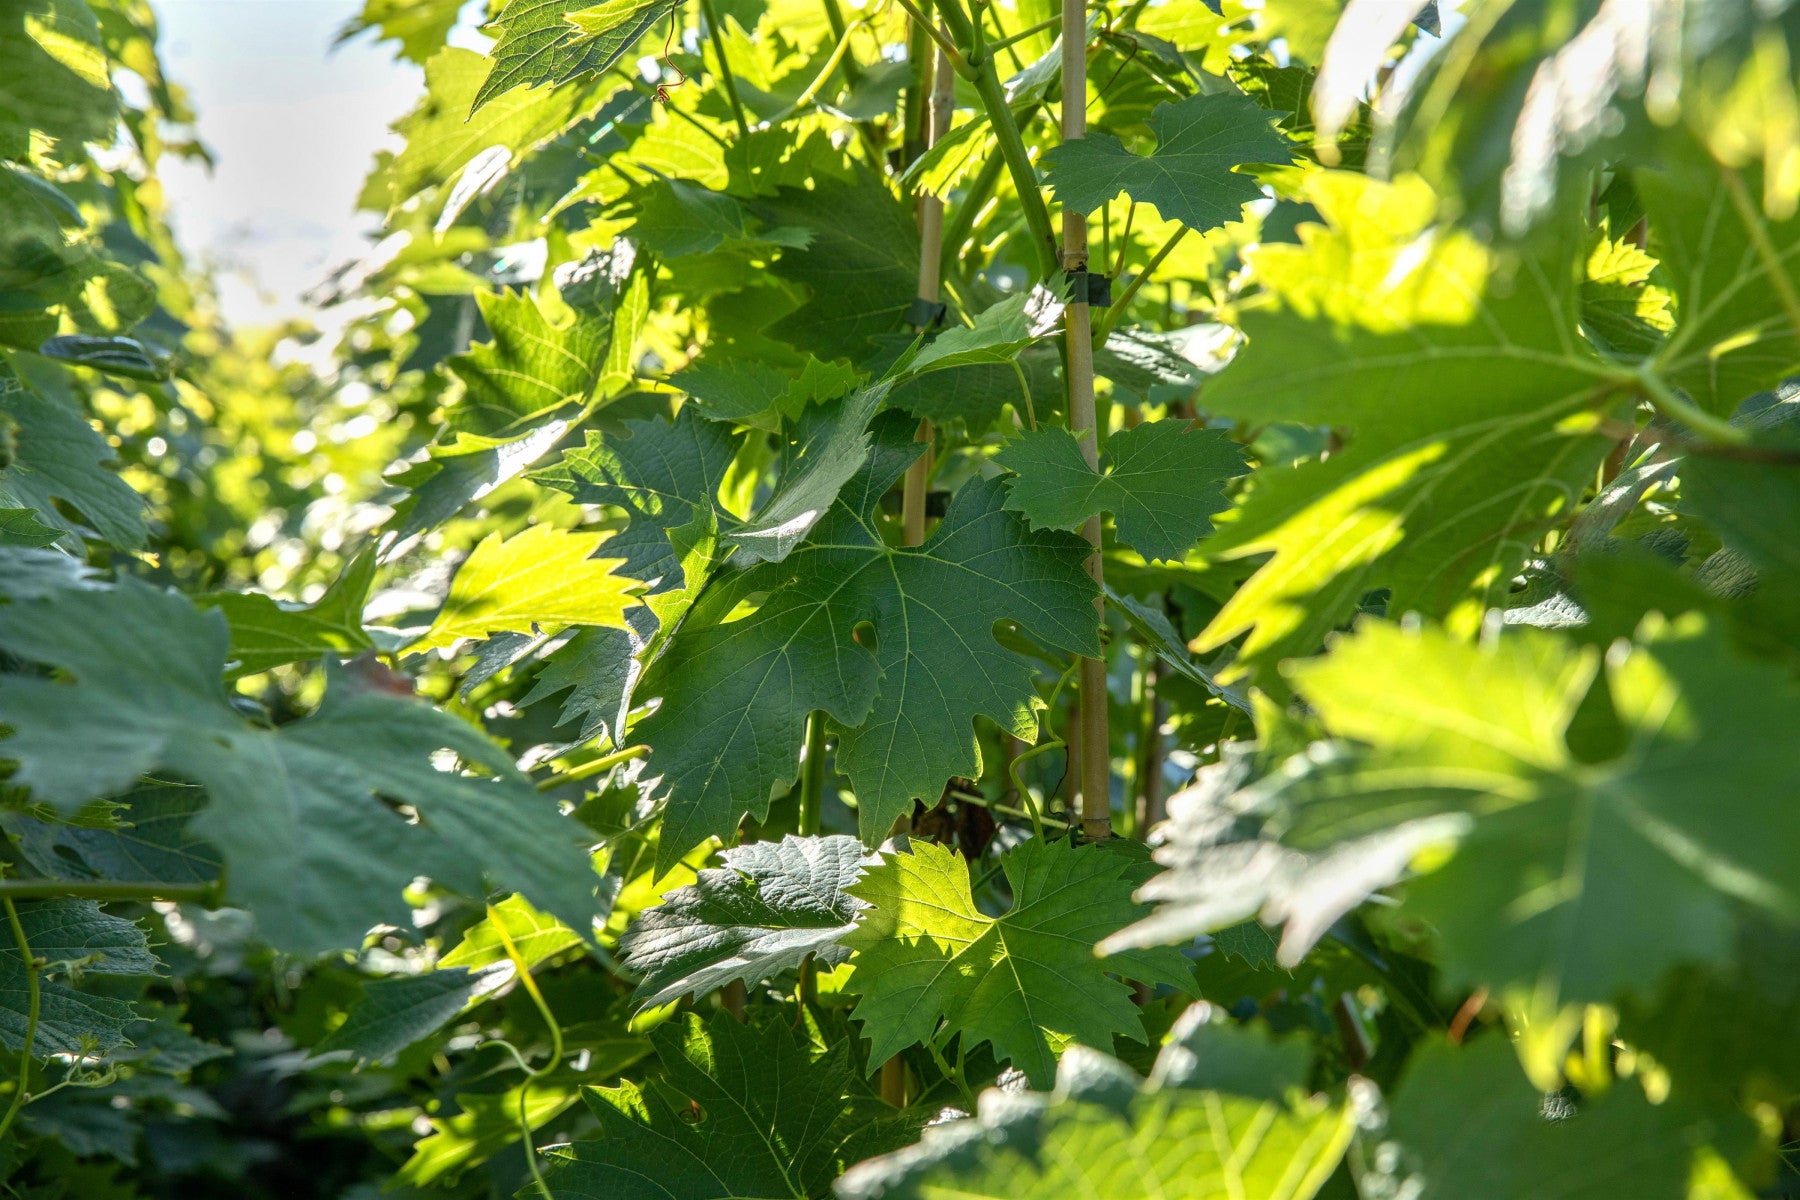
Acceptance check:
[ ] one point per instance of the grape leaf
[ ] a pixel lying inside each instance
(267, 633)
(830, 443)
(540, 576)
(860, 269)
(1466, 391)
(524, 390)
(151, 843)
(556, 41)
(1475, 1127)
(60, 457)
(676, 219)
(536, 936)
(488, 1122)
(1190, 177)
(1575, 881)
(1161, 481)
(1028, 981)
(443, 135)
(664, 474)
(421, 27)
(772, 905)
(752, 392)
(1726, 344)
(20, 527)
(772, 1123)
(392, 1014)
(597, 670)
(299, 813)
(1106, 1132)
(736, 692)
(54, 78)
(70, 931)
(999, 333)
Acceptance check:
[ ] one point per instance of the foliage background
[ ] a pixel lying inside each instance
(395, 793)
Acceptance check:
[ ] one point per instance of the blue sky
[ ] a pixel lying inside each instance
(293, 122)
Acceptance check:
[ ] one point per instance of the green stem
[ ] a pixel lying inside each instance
(1117, 310)
(1012, 38)
(1674, 405)
(523, 970)
(104, 890)
(588, 770)
(834, 16)
(1018, 165)
(33, 1006)
(1037, 819)
(838, 53)
(718, 44)
(812, 776)
(922, 21)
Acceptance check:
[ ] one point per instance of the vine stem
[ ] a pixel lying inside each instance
(1673, 404)
(717, 37)
(532, 1074)
(1006, 128)
(598, 766)
(812, 776)
(34, 1003)
(1095, 758)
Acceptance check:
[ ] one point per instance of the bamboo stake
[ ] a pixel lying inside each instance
(1094, 756)
(938, 79)
(931, 235)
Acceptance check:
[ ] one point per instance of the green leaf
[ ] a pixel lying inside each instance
(1476, 1128)
(265, 632)
(1190, 177)
(540, 576)
(772, 905)
(20, 527)
(122, 356)
(771, 1122)
(150, 844)
(69, 932)
(996, 338)
(488, 1122)
(736, 692)
(54, 78)
(1729, 340)
(421, 27)
(60, 457)
(536, 936)
(394, 1013)
(597, 670)
(676, 219)
(527, 388)
(1161, 480)
(556, 41)
(749, 391)
(1105, 1132)
(830, 445)
(302, 814)
(444, 134)
(1570, 881)
(1028, 981)
(860, 269)
(1466, 389)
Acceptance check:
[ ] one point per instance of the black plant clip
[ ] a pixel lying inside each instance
(1089, 287)
(923, 314)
